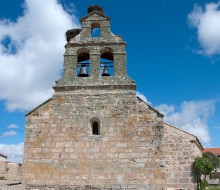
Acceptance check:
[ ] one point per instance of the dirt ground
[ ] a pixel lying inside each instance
(11, 185)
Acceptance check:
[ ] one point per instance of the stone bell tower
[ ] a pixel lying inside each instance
(95, 58)
(94, 132)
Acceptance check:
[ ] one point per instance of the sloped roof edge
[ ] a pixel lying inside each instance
(197, 141)
(3, 156)
(159, 114)
(38, 107)
(95, 12)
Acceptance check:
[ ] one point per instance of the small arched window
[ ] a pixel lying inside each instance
(107, 62)
(83, 62)
(95, 30)
(95, 125)
(95, 128)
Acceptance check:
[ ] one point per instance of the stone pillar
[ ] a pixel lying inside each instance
(86, 32)
(94, 65)
(70, 67)
(105, 30)
(120, 64)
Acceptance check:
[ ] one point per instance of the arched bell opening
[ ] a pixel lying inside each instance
(107, 62)
(95, 126)
(83, 62)
(95, 30)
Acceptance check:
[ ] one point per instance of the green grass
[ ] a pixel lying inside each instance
(213, 187)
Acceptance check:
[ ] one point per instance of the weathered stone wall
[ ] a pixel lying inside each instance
(14, 171)
(60, 148)
(134, 148)
(70, 77)
(95, 46)
(181, 150)
(3, 159)
(3, 169)
(104, 23)
(10, 171)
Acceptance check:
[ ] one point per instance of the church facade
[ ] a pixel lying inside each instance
(95, 133)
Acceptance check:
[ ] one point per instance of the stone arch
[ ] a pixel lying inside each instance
(95, 30)
(107, 61)
(83, 62)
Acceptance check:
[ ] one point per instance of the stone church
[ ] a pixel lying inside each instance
(95, 132)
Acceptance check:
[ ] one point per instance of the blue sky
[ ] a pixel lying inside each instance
(173, 54)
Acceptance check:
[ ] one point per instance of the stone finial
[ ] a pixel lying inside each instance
(72, 33)
(95, 7)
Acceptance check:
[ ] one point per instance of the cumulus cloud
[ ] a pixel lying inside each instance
(12, 126)
(207, 23)
(31, 53)
(191, 116)
(8, 133)
(142, 96)
(13, 151)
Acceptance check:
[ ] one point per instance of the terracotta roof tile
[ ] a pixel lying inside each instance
(212, 150)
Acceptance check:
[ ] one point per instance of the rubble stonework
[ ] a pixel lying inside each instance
(9, 171)
(133, 147)
(3, 166)
(14, 171)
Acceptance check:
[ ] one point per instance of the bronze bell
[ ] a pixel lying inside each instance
(105, 71)
(83, 71)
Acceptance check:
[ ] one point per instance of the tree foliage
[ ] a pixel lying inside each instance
(212, 158)
(202, 166)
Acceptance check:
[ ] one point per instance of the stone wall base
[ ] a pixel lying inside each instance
(88, 187)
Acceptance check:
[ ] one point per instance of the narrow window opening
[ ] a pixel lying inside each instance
(95, 128)
(95, 30)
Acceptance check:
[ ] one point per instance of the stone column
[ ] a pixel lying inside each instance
(94, 65)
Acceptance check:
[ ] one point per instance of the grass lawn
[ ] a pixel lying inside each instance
(213, 187)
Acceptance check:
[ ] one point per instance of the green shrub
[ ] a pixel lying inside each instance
(202, 166)
(212, 158)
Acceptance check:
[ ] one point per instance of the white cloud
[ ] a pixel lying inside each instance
(143, 97)
(191, 116)
(8, 133)
(70, 8)
(13, 151)
(166, 109)
(12, 126)
(207, 23)
(32, 61)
